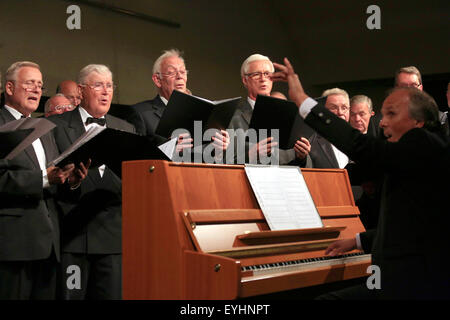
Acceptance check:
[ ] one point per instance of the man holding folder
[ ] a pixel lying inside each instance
(92, 223)
(29, 224)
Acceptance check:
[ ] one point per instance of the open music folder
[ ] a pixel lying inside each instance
(17, 135)
(284, 197)
(111, 147)
(183, 109)
(273, 113)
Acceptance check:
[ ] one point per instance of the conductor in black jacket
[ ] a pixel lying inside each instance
(92, 225)
(410, 242)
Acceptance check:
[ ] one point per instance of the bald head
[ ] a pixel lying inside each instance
(57, 104)
(70, 89)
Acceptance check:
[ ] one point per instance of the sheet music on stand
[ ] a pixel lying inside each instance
(283, 196)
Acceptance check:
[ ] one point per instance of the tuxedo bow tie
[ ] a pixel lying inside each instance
(100, 121)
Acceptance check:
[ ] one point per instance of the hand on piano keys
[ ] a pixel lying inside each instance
(341, 246)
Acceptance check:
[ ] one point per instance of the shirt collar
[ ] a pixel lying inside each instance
(16, 114)
(84, 114)
(164, 100)
(251, 102)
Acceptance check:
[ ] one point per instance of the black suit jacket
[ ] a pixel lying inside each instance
(145, 115)
(322, 154)
(93, 213)
(410, 243)
(29, 224)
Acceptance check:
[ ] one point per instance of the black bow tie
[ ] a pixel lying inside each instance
(100, 121)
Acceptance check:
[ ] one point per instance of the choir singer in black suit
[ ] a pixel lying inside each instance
(410, 243)
(169, 73)
(29, 219)
(92, 223)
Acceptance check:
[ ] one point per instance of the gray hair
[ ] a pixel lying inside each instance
(423, 107)
(360, 98)
(11, 73)
(166, 54)
(86, 71)
(47, 103)
(409, 70)
(337, 91)
(252, 58)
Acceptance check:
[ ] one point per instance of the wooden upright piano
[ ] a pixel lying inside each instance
(195, 231)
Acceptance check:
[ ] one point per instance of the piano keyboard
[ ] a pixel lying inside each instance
(303, 264)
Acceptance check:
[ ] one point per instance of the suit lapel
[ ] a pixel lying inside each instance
(328, 151)
(29, 151)
(247, 112)
(158, 107)
(49, 145)
(76, 126)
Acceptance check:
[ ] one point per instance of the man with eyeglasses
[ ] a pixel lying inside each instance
(323, 154)
(411, 77)
(57, 104)
(169, 73)
(92, 224)
(408, 77)
(29, 219)
(256, 75)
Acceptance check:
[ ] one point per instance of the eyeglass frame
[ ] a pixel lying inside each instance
(33, 85)
(173, 74)
(412, 85)
(258, 75)
(340, 108)
(64, 107)
(98, 86)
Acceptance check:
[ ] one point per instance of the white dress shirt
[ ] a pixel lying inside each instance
(164, 100)
(38, 149)
(84, 115)
(251, 102)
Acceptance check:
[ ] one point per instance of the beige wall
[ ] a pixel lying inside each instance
(327, 41)
(216, 37)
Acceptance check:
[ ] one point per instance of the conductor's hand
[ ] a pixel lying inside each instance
(302, 148)
(221, 140)
(287, 74)
(341, 246)
(184, 141)
(79, 174)
(58, 175)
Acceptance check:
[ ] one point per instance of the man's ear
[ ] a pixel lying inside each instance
(80, 92)
(9, 88)
(156, 80)
(244, 81)
(419, 124)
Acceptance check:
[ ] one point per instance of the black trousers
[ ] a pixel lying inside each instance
(91, 276)
(28, 280)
